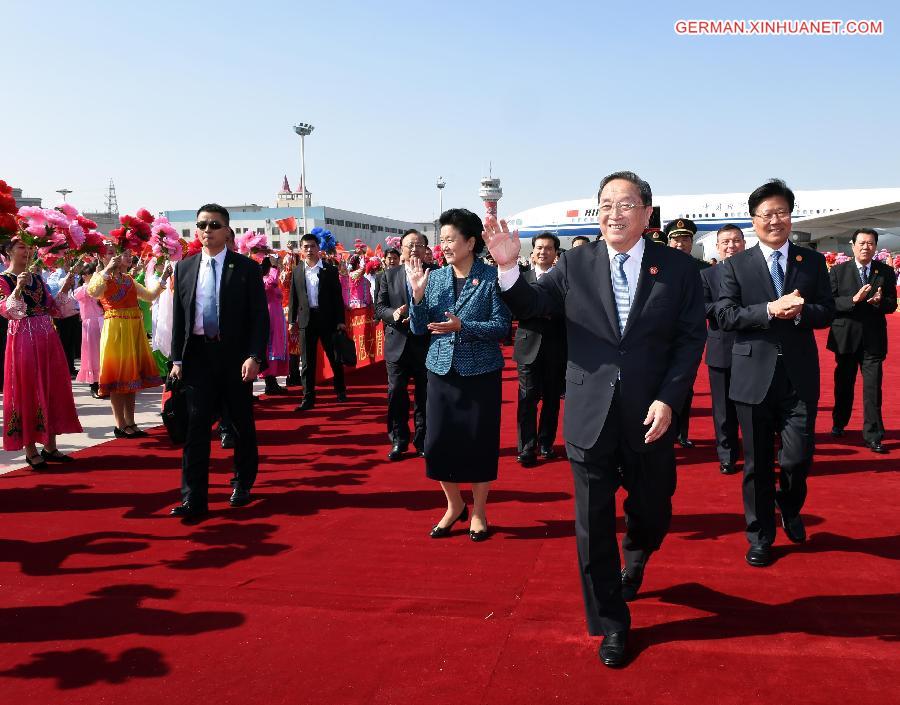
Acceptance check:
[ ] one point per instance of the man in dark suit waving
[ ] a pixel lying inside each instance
(539, 353)
(220, 329)
(864, 291)
(404, 353)
(635, 330)
(729, 241)
(773, 296)
(317, 309)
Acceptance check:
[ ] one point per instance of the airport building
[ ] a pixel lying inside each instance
(345, 225)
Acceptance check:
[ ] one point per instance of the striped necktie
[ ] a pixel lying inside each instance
(777, 273)
(863, 274)
(620, 290)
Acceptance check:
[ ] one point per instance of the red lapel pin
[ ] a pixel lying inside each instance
(654, 270)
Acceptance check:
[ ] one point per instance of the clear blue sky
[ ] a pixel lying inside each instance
(187, 102)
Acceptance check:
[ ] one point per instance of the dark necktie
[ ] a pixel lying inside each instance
(210, 305)
(777, 273)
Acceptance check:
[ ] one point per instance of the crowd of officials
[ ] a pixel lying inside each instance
(612, 331)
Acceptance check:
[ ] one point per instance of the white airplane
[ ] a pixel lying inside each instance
(821, 219)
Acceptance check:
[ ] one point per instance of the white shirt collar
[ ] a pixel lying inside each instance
(539, 272)
(860, 264)
(767, 251)
(317, 265)
(636, 252)
(219, 258)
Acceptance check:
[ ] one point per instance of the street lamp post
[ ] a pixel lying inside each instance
(304, 130)
(63, 192)
(440, 186)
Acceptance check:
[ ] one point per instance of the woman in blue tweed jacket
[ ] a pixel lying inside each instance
(460, 305)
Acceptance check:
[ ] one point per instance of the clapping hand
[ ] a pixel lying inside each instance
(503, 245)
(417, 276)
(875, 300)
(400, 313)
(788, 306)
(451, 325)
(862, 293)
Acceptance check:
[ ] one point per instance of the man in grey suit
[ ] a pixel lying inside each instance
(729, 240)
(635, 332)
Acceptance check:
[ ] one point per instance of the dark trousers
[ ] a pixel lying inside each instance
(309, 339)
(783, 412)
(684, 415)
(538, 380)
(649, 479)
(410, 365)
(724, 415)
(844, 383)
(69, 330)
(212, 385)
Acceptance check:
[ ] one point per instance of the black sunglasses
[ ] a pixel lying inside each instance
(211, 224)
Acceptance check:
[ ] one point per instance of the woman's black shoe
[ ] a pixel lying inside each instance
(120, 432)
(440, 532)
(136, 432)
(477, 536)
(54, 456)
(41, 464)
(95, 390)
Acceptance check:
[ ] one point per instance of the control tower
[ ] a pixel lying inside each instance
(490, 193)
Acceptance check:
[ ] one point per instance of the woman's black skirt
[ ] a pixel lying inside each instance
(462, 436)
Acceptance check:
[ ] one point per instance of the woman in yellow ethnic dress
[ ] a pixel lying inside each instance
(126, 363)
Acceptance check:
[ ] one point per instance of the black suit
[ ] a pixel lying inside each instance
(317, 324)
(611, 381)
(539, 352)
(718, 364)
(211, 369)
(404, 355)
(774, 378)
(858, 338)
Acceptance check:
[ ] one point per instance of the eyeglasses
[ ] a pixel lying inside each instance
(211, 224)
(417, 246)
(774, 215)
(621, 206)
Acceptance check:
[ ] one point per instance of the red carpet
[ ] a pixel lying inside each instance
(327, 589)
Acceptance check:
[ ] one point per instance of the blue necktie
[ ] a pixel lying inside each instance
(210, 305)
(863, 275)
(777, 273)
(620, 290)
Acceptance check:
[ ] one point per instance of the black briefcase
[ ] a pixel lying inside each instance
(344, 349)
(175, 413)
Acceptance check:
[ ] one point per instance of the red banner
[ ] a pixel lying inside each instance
(368, 335)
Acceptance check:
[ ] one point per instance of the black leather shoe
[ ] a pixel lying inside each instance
(188, 511)
(397, 451)
(631, 584)
(305, 405)
(837, 431)
(759, 556)
(227, 440)
(876, 447)
(548, 452)
(526, 459)
(613, 649)
(794, 529)
(478, 536)
(440, 532)
(685, 442)
(341, 397)
(728, 468)
(420, 452)
(239, 497)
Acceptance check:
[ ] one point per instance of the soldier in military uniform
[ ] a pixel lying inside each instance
(679, 234)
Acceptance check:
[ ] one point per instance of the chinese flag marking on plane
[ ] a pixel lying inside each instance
(572, 214)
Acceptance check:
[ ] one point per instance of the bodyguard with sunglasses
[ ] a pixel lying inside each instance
(220, 329)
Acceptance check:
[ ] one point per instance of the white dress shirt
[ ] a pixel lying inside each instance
(767, 253)
(867, 268)
(538, 272)
(312, 284)
(202, 277)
